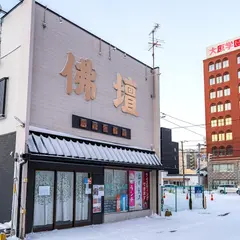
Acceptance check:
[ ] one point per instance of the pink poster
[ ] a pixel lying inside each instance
(131, 190)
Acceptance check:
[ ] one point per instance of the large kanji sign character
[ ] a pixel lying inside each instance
(84, 77)
(67, 72)
(126, 94)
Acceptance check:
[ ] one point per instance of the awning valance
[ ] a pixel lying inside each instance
(42, 144)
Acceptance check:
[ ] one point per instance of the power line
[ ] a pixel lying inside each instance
(185, 128)
(209, 124)
(195, 125)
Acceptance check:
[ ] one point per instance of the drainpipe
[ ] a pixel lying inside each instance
(18, 232)
(157, 191)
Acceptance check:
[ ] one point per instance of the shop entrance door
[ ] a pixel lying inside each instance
(43, 201)
(62, 200)
(83, 199)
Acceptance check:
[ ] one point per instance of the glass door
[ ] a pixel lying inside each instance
(43, 200)
(64, 199)
(83, 199)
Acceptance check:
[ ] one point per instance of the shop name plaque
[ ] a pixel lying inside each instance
(100, 127)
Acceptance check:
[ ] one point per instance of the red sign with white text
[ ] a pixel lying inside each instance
(145, 190)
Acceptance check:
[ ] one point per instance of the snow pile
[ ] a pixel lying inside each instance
(5, 225)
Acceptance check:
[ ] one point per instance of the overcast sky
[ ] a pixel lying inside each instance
(187, 27)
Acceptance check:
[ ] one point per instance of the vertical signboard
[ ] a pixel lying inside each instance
(138, 190)
(131, 190)
(145, 190)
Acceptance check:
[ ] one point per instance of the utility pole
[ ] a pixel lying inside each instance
(199, 161)
(199, 158)
(183, 165)
(153, 44)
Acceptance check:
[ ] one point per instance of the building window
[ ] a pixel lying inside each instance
(227, 106)
(212, 80)
(214, 122)
(226, 77)
(211, 67)
(238, 59)
(229, 135)
(226, 91)
(220, 121)
(219, 79)
(221, 136)
(123, 187)
(239, 74)
(239, 88)
(212, 94)
(214, 137)
(219, 92)
(214, 151)
(222, 151)
(213, 108)
(220, 107)
(228, 120)
(3, 90)
(225, 63)
(115, 184)
(223, 167)
(218, 65)
(229, 150)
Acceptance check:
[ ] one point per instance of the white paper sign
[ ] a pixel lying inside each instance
(138, 190)
(44, 191)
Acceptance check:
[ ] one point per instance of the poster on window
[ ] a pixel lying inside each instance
(97, 198)
(122, 203)
(131, 190)
(138, 190)
(145, 190)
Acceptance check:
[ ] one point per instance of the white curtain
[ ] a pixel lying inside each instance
(43, 202)
(81, 198)
(64, 201)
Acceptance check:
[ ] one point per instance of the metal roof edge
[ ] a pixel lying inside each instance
(12, 9)
(61, 134)
(47, 158)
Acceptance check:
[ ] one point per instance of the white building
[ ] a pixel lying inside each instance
(83, 120)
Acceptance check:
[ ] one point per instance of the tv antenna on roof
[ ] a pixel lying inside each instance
(1, 10)
(154, 42)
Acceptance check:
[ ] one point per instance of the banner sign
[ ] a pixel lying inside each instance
(138, 190)
(131, 190)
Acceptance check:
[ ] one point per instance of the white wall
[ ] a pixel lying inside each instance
(11, 44)
(16, 63)
(52, 108)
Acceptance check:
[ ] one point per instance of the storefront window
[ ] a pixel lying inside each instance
(123, 193)
(116, 191)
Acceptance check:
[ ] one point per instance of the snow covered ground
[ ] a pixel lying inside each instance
(199, 224)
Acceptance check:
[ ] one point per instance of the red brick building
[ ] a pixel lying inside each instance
(222, 111)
